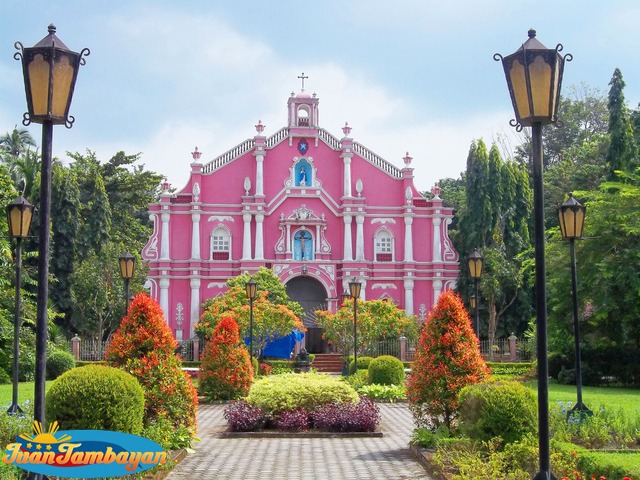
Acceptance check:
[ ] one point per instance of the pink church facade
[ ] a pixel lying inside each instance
(317, 210)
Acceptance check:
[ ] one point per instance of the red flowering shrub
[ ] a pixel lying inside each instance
(447, 359)
(225, 371)
(265, 369)
(144, 346)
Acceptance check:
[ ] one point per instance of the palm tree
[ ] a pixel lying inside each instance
(16, 142)
(24, 172)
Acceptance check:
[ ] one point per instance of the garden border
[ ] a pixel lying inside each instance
(306, 434)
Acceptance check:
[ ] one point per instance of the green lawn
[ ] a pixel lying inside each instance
(594, 397)
(25, 392)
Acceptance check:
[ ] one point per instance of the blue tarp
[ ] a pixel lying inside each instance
(282, 347)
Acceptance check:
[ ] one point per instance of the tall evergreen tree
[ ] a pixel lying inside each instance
(65, 211)
(621, 147)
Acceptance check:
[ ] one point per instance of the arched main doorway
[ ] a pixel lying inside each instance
(311, 295)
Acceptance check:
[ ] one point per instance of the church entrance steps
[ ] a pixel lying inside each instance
(328, 362)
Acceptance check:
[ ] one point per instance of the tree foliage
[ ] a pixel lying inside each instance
(447, 359)
(377, 321)
(273, 313)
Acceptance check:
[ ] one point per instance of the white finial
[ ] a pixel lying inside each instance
(259, 127)
(247, 185)
(436, 191)
(407, 159)
(346, 129)
(196, 155)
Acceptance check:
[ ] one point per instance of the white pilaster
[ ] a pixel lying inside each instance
(259, 174)
(347, 175)
(259, 249)
(195, 235)
(408, 239)
(437, 242)
(437, 291)
(164, 245)
(164, 296)
(408, 296)
(246, 237)
(194, 315)
(288, 240)
(359, 237)
(348, 252)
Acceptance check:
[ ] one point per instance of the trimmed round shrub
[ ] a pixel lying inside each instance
(363, 364)
(386, 370)
(498, 408)
(277, 393)
(96, 397)
(58, 362)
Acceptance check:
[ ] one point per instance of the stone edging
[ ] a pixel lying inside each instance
(175, 457)
(423, 456)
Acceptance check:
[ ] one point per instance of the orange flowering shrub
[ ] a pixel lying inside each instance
(144, 346)
(225, 370)
(447, 359)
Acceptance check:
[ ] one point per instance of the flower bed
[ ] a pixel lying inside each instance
(345, 417)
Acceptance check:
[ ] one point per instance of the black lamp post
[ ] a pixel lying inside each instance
(50, 70)
(475, 272)
(354, 289)
(571, 217)
(19, 214)
(534, 77)
(127, 265)
(252, 290)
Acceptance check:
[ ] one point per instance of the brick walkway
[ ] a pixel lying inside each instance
(302, 458)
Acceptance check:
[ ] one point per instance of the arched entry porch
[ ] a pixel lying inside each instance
(311, 295)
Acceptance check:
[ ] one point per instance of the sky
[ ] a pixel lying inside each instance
(413, 76)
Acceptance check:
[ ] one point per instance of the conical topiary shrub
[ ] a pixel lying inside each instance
(226, 371)
(144, 346)
(447, 359)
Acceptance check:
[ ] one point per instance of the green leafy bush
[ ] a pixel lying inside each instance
(58, 362)
(288, 391)
(497, 408)
(384, 393)
(4, 377)
(358, 379)
(386, 370)
(363, 364)
(280, 366)
(96, 398)
(510, 369)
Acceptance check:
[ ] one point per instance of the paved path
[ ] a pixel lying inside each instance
(382, 458)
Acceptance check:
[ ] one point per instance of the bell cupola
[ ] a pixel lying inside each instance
(303, 108)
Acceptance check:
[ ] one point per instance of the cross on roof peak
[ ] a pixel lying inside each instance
(303, 77)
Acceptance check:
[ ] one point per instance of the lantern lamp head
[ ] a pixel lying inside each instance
(50, 71)
(19, 215)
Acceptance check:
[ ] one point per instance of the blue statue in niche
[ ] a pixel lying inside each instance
(302, 246)
(303, 174)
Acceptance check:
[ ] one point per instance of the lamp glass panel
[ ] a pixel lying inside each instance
(129, 267)
(63, 72)
(519, 86)
(579, 221)
(355, 287)
(475, 268)
(39, 84)
(20, 221)
(540, 77)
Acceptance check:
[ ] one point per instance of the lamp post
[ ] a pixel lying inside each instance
(354, 290)
(475, 272)
(127, 264)
(50, 71)
(19, 214)
(534, 77)
(571, 216)
(252, 290)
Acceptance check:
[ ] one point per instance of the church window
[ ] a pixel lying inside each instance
(220, 244)
(384, 246)
(303, 245)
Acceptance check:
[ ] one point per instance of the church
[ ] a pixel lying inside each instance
(318, 210)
